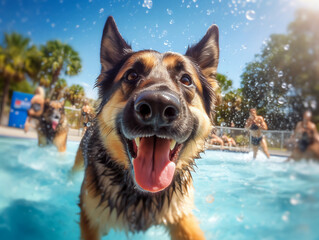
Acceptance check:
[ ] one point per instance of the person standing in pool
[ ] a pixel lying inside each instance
(256, 124)
(36, 109)
(306, 139)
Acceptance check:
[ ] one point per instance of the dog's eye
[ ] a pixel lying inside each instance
(186, 80)
(131, 75)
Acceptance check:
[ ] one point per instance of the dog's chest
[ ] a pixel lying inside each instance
(133, 212)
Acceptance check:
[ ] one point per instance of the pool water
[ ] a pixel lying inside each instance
(236, 197)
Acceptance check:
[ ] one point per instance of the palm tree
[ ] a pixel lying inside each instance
(60, 89)
(14, 57)
(58, 57)
(33, 67)
(75, 94)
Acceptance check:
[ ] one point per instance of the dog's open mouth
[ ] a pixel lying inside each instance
(54, 123)
(154, 161)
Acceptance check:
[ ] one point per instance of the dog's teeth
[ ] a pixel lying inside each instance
(173, 143)
(137, 141)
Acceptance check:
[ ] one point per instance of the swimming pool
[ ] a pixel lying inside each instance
(236, 197)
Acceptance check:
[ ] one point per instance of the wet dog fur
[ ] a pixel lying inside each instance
(52, 126)
(111, 195)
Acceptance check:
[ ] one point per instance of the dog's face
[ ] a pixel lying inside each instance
(156, 108)
(53, 113)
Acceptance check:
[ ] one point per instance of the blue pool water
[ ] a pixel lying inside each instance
(236, 197)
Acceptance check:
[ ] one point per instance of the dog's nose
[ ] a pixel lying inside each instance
(157, 108)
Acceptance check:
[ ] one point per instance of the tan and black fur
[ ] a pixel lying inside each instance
(53, 111)
(110, 196)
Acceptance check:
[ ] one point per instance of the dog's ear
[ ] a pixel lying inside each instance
(206, 54)
(113, 46)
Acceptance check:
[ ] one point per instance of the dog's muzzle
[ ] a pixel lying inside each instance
(156, 109)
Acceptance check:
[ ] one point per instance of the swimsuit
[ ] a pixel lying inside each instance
(256, 140)
(254, 127)
(36, 107)
(304, 142)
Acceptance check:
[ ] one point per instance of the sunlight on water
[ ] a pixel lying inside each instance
(236, 197)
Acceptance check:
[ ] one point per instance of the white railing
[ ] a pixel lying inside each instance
(276, 140)
(73, 116)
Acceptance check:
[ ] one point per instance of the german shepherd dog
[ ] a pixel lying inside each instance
(52, 125)
(155, 113)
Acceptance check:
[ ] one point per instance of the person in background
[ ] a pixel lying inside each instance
(229, 141)
(87, 115)
(256, 124)
(215, 140)
(306, 139)
(36, 109)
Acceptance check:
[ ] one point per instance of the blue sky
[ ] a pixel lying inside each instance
(163, 25)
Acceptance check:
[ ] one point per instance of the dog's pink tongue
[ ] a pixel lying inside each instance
(152, 167)
(54, 124)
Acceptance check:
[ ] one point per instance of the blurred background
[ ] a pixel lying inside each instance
(269, 60)
(269, 51)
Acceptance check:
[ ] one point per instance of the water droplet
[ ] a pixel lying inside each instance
(281, 100)
(313, 104)
(148, 4)
(271, 84)
(280, 73)
(240, 218)
(284, 85)
(285, 216)
(292, 177)
(210, 198)
(250, 15)
(171, 21)
(229, 104)
(101, 10)
(169, 11)
(166, 42)
(294, 201)
(286, 47)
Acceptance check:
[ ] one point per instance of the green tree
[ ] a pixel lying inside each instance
(14, 62)
(228, 102)
(58, 58)
(60, 89)
(283, 80)
(75, 94)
